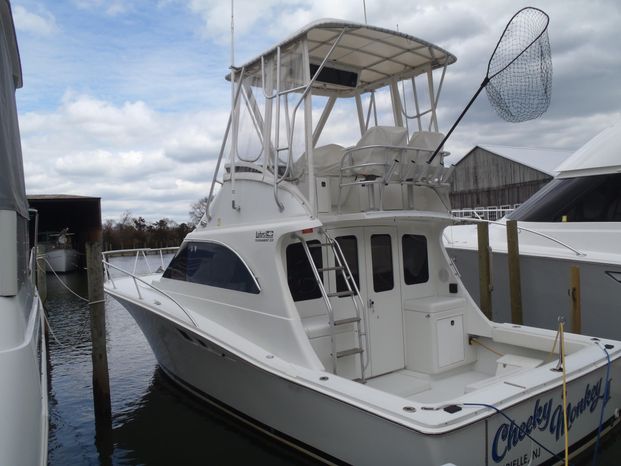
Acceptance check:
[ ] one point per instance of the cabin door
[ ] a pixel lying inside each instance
(371, 253)
(385, 315)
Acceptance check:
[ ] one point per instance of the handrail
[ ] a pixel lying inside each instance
(135, 278)
(529, 230)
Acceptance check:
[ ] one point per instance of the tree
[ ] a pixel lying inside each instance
(197, 210)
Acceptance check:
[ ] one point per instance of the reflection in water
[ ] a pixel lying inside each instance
(154, 421)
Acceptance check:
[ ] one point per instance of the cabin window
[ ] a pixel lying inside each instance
(300, 276)
(415, 260)
(349, 246)
(595, 198)
(211, 264)
(381, 258)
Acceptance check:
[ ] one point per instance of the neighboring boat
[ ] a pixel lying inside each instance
(315, 299)
(23, 370)
(575, 220)
(59, 253)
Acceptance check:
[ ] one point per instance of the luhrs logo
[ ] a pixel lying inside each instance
(509, 434)
(264, 236)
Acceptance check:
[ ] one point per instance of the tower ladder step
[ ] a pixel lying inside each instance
(348, 352)
(349, 320)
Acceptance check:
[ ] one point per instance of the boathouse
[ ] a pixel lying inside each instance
(491, 175)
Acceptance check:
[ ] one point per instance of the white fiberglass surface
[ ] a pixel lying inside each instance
(420, 387)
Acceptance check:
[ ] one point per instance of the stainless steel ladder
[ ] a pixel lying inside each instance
(340, 266)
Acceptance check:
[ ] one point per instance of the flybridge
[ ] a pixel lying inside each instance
(388, 83)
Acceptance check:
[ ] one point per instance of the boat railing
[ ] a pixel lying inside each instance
(577, 252)
(137, 280)
(485, 213)
(401, 165)
(140, 257)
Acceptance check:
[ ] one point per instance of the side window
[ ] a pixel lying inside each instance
(211, 264)
(349, 246)
(415, 261)
(381, 258)
(300, 277)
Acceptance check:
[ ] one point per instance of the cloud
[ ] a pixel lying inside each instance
(128, 153)
(41, 23)
(110, 7)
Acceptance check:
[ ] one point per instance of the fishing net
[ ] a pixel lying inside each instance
(519, 73)
(520, 69)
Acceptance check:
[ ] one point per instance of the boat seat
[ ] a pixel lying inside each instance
(327, 161)
(508, 365)
(425, 143)
(367, 159)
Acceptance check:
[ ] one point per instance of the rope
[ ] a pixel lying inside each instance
(499, 411)
(562, 351)
(551, 353)
(474, 340)
(61, 282)
(601, 414)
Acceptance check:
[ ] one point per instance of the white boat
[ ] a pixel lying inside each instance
(315, 299)
(575, 220)
(59, 253)
(23, 371)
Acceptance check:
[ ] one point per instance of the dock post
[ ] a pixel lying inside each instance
(485, 282)
(41, 277)
(101, 382)
(574, 293)
(515, 281)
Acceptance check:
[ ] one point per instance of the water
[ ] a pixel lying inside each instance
(154, 421)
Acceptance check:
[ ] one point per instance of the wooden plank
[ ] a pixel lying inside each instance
(485, 282)
(515, 282)
(576, 308)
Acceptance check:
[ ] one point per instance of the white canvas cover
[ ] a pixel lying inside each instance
(327, 160)
(12, 189)
(426, 143)
(380, 157)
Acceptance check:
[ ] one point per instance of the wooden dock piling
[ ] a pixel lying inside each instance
(515, 281)
(574, 293)
(485, 278)
(101, 381)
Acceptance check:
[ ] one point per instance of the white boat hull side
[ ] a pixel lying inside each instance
(62, 260)
(346, 432)
(545, 285)
(23, 385)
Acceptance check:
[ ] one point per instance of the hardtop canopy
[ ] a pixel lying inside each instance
(375, 55)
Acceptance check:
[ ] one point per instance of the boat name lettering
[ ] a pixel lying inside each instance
(264, 236)
(547, 417)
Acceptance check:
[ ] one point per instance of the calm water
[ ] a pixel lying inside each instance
(154, 422)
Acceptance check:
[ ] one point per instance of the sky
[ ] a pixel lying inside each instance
(126, 99)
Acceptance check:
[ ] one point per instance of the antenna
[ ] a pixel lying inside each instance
(364, 7)
(232, 33)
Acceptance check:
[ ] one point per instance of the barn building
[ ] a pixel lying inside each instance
(490, 175)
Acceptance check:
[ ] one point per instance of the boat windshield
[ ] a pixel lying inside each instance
(580, 199)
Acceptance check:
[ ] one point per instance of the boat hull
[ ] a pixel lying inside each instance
(545, 282)
(335, 429)
(62, 260)
(23, 383)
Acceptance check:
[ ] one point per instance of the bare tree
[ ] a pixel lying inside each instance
(197, 210)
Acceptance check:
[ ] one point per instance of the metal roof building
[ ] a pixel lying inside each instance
(491, 175)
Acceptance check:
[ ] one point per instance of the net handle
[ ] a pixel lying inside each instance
(487, 77)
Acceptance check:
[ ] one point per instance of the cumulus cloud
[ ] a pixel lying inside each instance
(42, 23)
(121, 152)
